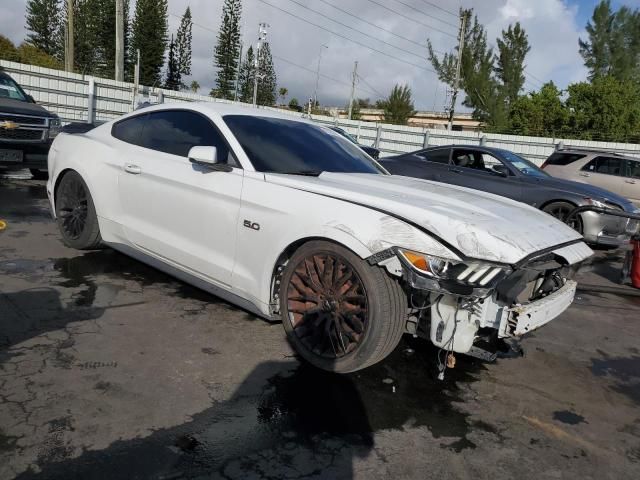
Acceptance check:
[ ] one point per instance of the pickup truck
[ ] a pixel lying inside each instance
(26, 129)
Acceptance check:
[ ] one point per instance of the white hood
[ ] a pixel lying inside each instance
(479, 225)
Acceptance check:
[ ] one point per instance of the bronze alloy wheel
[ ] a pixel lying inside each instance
(327, 303)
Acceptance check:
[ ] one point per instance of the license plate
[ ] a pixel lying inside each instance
(13, 156)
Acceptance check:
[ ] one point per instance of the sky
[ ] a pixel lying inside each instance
(389, 47)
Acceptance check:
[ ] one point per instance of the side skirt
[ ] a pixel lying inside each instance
(192, 280)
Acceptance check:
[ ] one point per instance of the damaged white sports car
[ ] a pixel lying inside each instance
(295, 223)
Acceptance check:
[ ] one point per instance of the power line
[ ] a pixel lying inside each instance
(440, 8)
(322, 74)
(369, 85)
(411, 7)
(422, 57)
(347, 38)
(413, 19)
(282, 59)
(422, 45)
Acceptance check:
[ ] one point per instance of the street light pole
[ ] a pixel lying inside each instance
(315, 92)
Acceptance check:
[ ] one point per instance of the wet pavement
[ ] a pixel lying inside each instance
(111, 369)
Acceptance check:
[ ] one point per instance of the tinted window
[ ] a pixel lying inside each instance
(468, 159)
(287, 146)
(559, 158)
(129, 130)
(438, 156)
(633, 168)
(605, 165)
(522, 165)
(176, 131)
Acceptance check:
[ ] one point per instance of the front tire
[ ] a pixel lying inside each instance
(340, 313)
(560, 210)
(76, 214)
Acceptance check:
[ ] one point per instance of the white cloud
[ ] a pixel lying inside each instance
(550, 24)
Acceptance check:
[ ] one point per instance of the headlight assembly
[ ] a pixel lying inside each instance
(55, 127)
(440, 274)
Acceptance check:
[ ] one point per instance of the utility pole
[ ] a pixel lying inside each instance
(69, 39)
(456, 83)
(354, 78)
(262, 36)
(119, 40)
(235, 96)
(315, 92)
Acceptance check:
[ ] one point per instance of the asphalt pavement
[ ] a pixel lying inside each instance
(110, 369)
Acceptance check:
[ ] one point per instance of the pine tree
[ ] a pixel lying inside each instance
(183, 44)
(149, 35)
(398, 107)
(173, 68)
(227, 49)
(267, 81)
(44, 24)
(513, 48)
(247, 72)
(613, 45)
(195, 86)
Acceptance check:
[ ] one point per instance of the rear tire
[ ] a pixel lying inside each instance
(76, 214)
(560, 210)
(340, 313)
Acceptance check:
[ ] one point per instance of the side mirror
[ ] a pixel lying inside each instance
(207, 157)
(501, 170)
(30, 99)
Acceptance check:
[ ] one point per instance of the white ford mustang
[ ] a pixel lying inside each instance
(293, 222)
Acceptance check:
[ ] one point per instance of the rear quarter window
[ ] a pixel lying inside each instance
(129, 130)
(562, 159)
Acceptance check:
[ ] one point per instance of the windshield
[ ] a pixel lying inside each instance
(287, 146)
(344, 134)
(523, 166)
(10, 89)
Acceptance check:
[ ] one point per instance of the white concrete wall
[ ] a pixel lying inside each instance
(68, 95)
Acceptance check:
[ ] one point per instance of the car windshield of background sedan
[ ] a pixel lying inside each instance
(286, 146)
(523, 166)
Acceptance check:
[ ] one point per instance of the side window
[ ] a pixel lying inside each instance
(468, 159)
(176, 131)
(437, 156)
(606, 166)
(129, 130)
(633, 170)
(559, 158)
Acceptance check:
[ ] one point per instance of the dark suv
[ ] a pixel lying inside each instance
(26, 129)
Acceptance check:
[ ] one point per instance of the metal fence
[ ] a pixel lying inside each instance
(76, 97)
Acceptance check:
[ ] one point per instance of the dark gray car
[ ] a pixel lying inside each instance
(504, 173)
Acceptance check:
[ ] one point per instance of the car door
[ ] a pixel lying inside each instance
(605, 172)
(632, 182)
(474, 169)
(175, 210)
(437, 163)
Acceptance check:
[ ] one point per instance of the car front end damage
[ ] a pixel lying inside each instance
(472, 306)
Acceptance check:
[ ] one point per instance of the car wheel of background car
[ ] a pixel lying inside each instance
(39, 174)
(560, 210)
(76, 214)
(340, 313)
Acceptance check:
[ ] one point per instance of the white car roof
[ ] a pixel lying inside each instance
(223, 108)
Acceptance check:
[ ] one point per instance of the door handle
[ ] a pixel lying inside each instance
(633, 182)
(455, 170)
(584, 174)
(131, 168)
